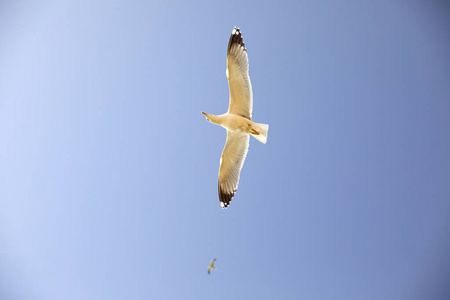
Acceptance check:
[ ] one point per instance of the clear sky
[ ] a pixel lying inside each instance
(108, 170)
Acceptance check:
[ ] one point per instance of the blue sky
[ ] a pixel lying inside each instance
(108, 170)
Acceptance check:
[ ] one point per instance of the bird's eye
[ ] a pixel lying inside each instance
(207, 119)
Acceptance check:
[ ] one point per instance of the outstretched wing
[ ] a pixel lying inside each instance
(241, 97)
(231, 162)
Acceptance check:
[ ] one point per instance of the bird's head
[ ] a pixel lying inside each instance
(213, 118)
(207, 117)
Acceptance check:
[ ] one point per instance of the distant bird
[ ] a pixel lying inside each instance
(238, 120)
(211, 266)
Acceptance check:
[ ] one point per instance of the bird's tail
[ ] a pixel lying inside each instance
(262, 136)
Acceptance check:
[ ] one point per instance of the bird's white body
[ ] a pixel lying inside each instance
(238, 120)
(239, 124)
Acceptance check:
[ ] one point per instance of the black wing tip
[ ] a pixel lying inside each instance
(236, 38)
(225, 198)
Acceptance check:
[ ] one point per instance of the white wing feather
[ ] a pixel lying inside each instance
(231, 162)
(241, 97)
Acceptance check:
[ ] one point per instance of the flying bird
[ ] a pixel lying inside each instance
(238, 120)
(211, 266)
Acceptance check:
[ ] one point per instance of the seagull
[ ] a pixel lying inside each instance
(237, 121)
(211, 266)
